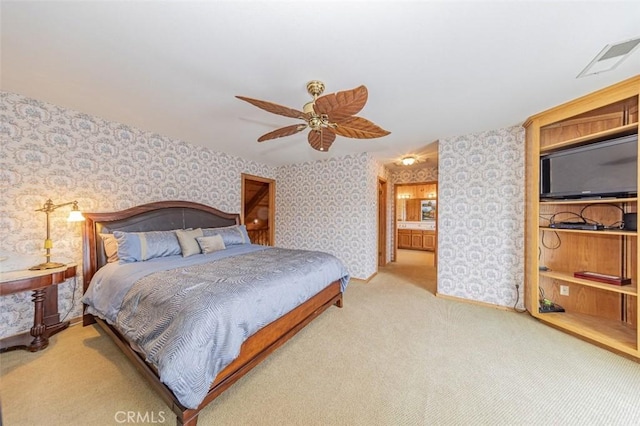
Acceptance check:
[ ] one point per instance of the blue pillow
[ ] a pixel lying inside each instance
(140, 246)
(231, 235)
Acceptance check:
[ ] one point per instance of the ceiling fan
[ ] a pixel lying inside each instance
(326, 116)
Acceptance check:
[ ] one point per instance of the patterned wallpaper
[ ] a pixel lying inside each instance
(425, 173)
(330, 205)
(48, 151)
(481, 216)
(52, 152)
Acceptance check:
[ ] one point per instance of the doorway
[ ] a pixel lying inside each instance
(416, 267)
(258, 206)
(382, 222)
(416, 219)
(415, 247)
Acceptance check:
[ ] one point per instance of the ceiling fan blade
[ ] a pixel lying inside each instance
(359, 128)
(321, 140)
(275, 108)
(283, 131)
(339, 106)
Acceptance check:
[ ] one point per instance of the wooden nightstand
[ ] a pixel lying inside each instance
(46, 320)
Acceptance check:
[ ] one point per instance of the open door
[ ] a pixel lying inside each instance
(258, 208)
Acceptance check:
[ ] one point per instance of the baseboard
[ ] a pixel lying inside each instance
(366, 280)
(74, 321)
(475, 302)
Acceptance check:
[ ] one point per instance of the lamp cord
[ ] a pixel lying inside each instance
(73, 299)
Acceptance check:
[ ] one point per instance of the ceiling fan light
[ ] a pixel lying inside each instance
(408, 161)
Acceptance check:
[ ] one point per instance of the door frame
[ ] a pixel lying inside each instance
(395, 217)
(382, 221)
(272, 202)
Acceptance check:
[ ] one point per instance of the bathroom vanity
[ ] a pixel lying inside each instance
(417, 235)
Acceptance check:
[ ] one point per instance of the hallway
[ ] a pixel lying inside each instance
(417, 267)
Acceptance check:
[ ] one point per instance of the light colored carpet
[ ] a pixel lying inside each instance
(415, 267)
(394, 355)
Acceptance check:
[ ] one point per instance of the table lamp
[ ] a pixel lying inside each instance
(74, 216)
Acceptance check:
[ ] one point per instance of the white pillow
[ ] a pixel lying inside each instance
(211, 244)
(187, 240)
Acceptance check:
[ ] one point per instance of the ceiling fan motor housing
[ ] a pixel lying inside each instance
(315, 88)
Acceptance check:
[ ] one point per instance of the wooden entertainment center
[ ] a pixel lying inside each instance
(603, 313)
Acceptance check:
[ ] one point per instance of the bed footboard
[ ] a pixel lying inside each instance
(254, 350)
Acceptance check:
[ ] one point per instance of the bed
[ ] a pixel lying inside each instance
(255, 345)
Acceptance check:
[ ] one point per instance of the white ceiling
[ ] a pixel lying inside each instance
(433, 69)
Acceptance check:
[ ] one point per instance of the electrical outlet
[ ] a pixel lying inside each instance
(564, 290)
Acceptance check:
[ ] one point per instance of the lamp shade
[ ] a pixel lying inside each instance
(75, 216)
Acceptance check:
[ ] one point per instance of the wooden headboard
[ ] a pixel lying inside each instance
(159, 216)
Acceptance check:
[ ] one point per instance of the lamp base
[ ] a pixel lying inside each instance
(47, 265)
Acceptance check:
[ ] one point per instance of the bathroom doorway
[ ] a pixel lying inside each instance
(415, 228)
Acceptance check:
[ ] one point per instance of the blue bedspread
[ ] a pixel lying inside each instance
(191, 320)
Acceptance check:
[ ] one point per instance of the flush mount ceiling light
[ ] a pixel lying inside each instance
(408, 161)
(610, 57)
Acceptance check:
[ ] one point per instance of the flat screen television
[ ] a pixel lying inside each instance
(602, 169)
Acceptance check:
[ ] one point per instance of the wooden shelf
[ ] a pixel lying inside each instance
(591, 201)
(631, 290)
(616, 334)
(601, 232)
(626, 130)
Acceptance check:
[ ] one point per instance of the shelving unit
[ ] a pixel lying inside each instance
(614, 132)
(605, 314)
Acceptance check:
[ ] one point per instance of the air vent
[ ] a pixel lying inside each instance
(610, 57)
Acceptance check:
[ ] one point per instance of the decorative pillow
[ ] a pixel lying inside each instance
(231, 235)
(187, 240)
(211, 244)
(140, 246)
(110, 247)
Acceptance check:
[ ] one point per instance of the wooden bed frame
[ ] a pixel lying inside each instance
(168, 215)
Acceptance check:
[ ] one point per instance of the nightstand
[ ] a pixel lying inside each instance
(46, 320)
